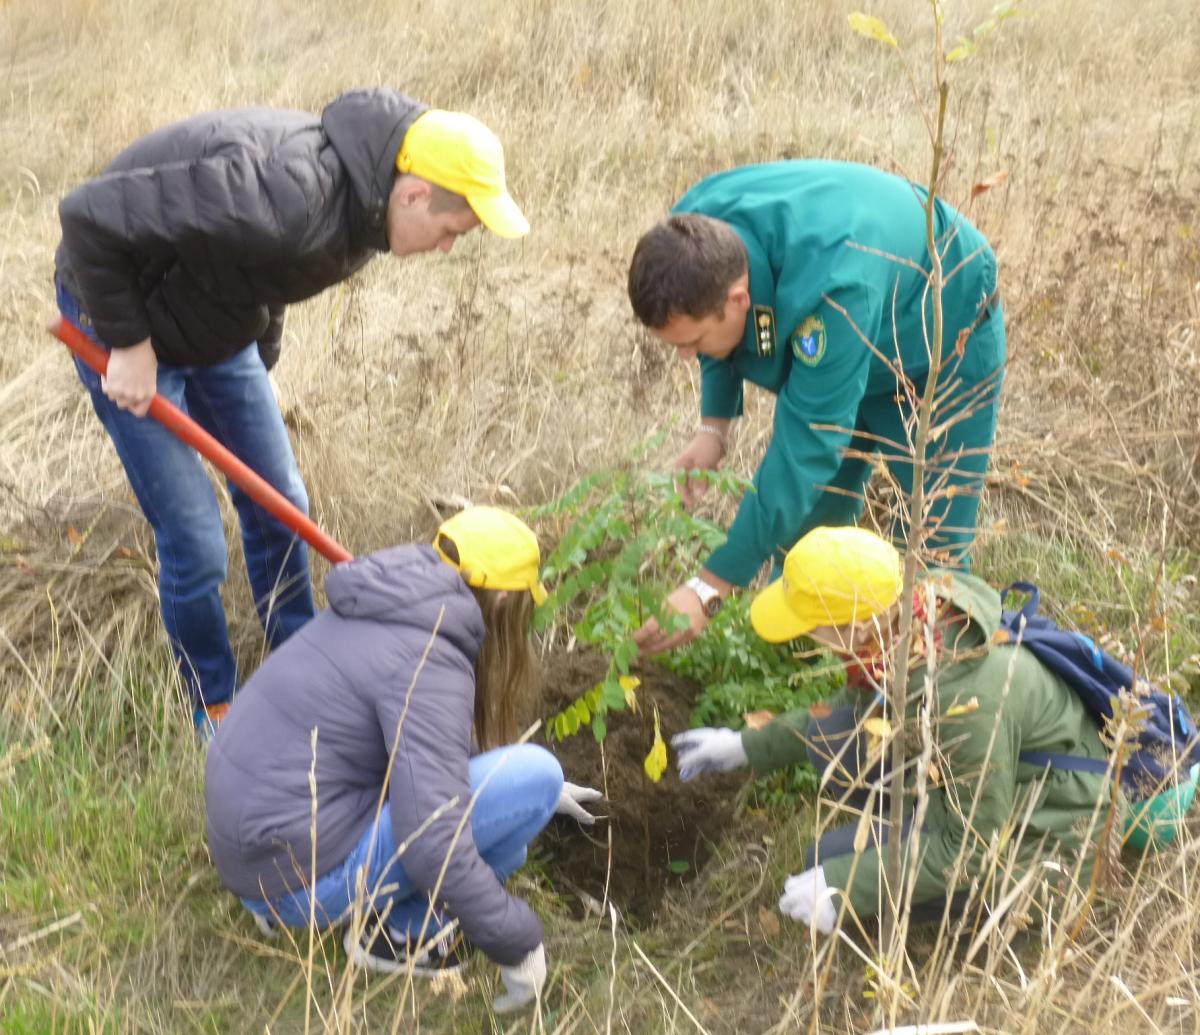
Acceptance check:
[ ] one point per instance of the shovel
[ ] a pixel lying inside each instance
(186, 429)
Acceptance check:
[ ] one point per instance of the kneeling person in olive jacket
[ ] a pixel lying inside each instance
(841, 586)
(423, 654)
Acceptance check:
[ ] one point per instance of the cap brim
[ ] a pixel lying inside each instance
(772, 619)
(539, 594)
(499, 213)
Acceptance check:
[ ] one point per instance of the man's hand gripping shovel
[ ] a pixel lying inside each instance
(181, 425)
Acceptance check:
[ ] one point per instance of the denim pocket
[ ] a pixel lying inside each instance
(70, 307)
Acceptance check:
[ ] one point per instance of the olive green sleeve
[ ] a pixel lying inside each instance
(781, 742)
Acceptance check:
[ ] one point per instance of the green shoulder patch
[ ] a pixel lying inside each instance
(808, 340)
(764, 330)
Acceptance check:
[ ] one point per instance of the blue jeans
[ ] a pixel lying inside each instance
(234, 403)
(520, 788)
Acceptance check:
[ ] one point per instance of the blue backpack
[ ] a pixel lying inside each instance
(1167, 746)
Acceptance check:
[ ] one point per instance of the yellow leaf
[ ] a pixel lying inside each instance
(878, 730)
(871, 27)
(935, 776)
(656, 762)
(963, 709)
(878, 727)
(630, 684)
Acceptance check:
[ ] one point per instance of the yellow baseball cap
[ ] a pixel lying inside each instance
(460, 154)
(495, 550)
(833, 576)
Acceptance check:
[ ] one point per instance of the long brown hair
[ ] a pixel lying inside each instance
(506, 669)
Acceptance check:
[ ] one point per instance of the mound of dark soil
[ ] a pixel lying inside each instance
(655, 835)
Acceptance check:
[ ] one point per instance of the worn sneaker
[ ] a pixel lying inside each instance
(385, 950)
(206, 719)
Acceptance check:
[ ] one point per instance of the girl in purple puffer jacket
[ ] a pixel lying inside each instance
(343, 785)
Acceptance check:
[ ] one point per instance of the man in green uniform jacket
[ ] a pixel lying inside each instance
(841, 586)
(809, 279)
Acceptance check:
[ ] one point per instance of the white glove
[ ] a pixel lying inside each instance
(806, 897)
(570, 802)
(522, 982)
(708, 750)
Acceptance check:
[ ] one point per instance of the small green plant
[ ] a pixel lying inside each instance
(625, 540)
(741, 673)
(741, 676)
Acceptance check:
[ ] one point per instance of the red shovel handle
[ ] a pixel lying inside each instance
(180, 424)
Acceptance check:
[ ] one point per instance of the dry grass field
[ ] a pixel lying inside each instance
(505, 371)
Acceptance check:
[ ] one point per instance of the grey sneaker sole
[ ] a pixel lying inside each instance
(268, 929)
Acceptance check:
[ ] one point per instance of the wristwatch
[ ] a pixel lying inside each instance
(710, 596)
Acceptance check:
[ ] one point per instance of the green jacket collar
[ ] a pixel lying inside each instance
(762, 303)
(965, 642)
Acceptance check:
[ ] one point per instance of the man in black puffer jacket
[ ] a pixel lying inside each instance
(180, 258)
